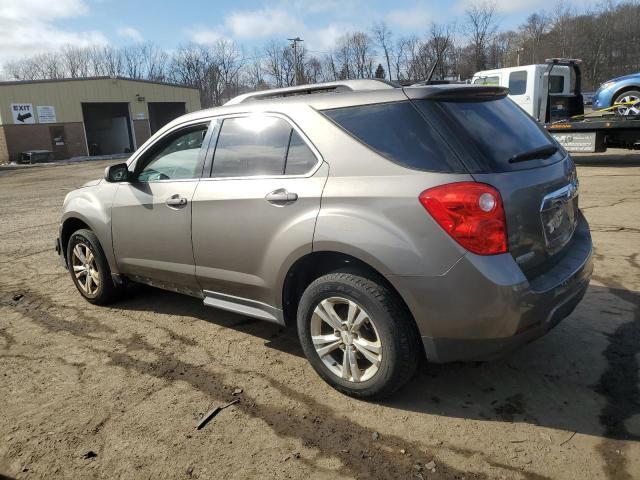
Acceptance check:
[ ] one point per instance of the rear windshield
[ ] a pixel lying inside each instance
(398, 132)
(498, 130)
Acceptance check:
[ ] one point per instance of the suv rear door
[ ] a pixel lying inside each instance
(257, 210)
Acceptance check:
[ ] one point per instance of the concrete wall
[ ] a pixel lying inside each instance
(20, 138)
(4, 152)
(141, 131)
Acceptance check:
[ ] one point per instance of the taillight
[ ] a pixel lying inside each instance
(471, 213)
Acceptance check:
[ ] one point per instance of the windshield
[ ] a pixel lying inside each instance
(498, 130)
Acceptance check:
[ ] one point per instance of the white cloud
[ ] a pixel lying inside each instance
(27, 27)
(323, 39)
(130, 33)
(262, 23)
(415, 18)
(205, 36)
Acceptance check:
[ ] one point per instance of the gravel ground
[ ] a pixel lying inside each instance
(92, 392)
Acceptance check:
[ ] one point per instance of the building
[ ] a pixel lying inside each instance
(86, 116)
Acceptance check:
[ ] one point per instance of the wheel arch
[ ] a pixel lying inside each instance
(318, 263)
(626, 88)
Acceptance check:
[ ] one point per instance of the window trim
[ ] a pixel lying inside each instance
(141, 155)
(210, 159)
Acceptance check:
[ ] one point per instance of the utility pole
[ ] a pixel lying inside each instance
(296, 63)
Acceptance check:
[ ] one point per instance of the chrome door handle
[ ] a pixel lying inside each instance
(281, 197)
(176, 201)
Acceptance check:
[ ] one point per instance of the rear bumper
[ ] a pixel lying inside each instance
(484, 307)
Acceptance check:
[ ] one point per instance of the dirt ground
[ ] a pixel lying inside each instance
(92, 392)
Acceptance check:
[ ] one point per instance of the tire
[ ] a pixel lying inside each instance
(389, 329)
(624, 96)
(106, 291)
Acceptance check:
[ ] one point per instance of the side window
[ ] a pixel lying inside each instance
(518, 82)
(248, 146)
(398, 132)
(491, 81)
(175, 157)
(300, 158)
(556, 84)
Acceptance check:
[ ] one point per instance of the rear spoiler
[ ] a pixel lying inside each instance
(452, 93)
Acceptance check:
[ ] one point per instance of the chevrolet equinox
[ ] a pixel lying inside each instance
(386, 223)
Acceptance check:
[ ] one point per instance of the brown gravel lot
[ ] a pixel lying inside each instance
(116, 392)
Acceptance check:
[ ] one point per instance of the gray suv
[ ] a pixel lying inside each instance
(387, 223)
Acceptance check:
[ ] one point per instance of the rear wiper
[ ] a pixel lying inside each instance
(534, 154)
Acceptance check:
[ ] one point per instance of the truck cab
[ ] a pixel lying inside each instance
(526, 84)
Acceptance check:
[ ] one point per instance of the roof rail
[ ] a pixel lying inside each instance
(328, 87)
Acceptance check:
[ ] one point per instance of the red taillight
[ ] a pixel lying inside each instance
(471, 213)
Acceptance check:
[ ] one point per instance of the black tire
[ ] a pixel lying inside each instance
(107, 291)
(620, 97)
(401, 350)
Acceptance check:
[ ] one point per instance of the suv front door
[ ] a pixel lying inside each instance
(256, 212)
(151, 214)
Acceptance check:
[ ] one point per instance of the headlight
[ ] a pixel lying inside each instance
(606, 85)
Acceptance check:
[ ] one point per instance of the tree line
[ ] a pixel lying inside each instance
(605, 37)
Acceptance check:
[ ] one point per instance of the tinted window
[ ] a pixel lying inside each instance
(498, 129)
(398, 132)
(491, 81)
(176, 157)
(300, 158)
(556, 84)
(518, 82)
(248, 146)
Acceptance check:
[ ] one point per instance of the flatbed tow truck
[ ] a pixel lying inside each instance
(565, 119)
(552, 94)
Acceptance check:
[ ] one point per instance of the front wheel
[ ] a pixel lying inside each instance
(358, 335)
(89, 268)
(631, 101)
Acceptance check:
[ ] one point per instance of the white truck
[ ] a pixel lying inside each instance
(551, 93)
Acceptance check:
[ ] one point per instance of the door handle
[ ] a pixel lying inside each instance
(176, 201)
(281, 197)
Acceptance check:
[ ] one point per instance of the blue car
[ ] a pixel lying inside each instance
(620, 90)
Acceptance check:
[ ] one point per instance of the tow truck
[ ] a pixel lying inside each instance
(552, 94)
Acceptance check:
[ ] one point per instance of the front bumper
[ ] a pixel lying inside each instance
(484, 307)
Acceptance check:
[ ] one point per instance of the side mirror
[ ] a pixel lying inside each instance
(116, 173)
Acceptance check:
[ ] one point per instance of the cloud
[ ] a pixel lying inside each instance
(130, 33)
(415, 18)
(262, 23)
(205, 36)
(28, 27)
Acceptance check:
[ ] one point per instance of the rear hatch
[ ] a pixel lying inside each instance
(504, 147)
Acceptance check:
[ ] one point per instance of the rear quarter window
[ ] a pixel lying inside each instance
(398, 132)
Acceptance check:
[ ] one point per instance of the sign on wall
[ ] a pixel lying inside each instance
(22, 113)
(46, 114)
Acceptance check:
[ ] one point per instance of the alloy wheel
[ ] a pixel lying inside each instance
(632, 107)
(346, 339)
(85, 269)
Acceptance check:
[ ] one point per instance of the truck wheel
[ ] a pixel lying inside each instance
(358, 335)
(89, 268)
(627, 97)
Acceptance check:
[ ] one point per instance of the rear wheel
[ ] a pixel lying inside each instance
(89, 268)
(631, 99)
(358, 335)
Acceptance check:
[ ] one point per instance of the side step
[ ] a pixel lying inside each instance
(243, 306)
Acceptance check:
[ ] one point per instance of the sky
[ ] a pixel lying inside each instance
(33, 26)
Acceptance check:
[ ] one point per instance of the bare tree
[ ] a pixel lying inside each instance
(382, 36)
(480, 25)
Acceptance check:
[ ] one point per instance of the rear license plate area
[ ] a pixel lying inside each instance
(559, 220)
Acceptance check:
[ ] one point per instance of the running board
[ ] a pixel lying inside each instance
(243, 306)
